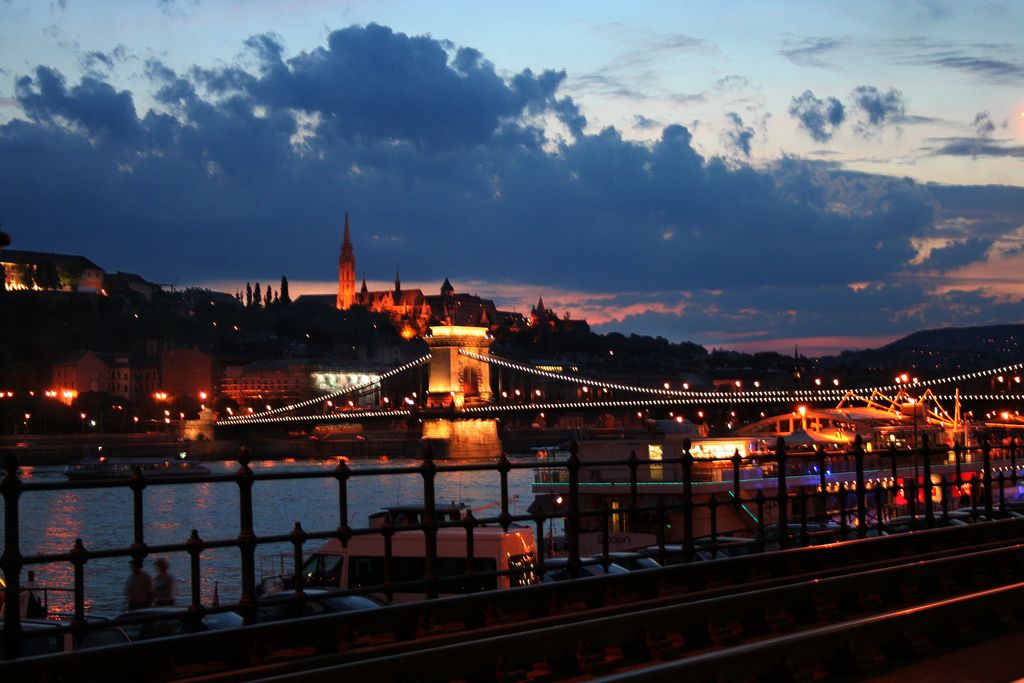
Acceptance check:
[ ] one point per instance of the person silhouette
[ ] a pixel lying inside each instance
(163, 584)
(138, 589)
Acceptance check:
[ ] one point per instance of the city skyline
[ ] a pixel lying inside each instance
(757, 178)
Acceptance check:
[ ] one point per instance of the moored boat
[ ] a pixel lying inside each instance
(102, 466)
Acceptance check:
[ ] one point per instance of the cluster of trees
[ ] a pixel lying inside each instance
(255, 297)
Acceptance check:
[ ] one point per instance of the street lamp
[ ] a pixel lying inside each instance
(82, 416)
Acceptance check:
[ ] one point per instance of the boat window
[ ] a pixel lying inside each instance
(371, 571)
(523, 570)
(322, 570)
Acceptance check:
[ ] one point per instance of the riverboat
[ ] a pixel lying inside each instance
(102, 466)
(501, 559)
(733, 486)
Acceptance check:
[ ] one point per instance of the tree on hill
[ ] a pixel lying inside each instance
(285, 296)
(257, 296)
(248, 295)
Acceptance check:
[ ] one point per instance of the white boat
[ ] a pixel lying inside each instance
(102, 466)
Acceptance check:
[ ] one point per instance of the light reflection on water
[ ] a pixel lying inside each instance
(52, 520)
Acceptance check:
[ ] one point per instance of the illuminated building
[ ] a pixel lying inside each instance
(412, 312)
(33, 270)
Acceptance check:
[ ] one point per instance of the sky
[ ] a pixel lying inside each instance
(745, 175)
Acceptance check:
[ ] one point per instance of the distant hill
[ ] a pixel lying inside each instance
(945, 349)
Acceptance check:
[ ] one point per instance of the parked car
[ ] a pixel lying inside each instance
(283, 605)
(163, 622)
(557, 569)
(628, 560)
(818, 533)
(43, 637)
(705, 549)
(899, 525)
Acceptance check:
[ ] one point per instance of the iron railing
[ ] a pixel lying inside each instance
(784, 469)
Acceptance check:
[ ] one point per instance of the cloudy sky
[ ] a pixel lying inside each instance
(749, 175)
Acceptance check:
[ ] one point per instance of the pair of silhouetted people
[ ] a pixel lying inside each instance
(141, 590)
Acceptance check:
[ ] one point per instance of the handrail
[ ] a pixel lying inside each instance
(579, 516)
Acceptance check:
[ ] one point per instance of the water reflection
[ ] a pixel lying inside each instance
(51, 521)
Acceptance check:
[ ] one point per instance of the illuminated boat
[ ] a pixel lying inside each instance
(101, 466)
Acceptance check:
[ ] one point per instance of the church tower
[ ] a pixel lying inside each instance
(346, 273)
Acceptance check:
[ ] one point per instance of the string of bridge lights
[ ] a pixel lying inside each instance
(246, 419)
(262, 418)
(671, 396)
(750, 396)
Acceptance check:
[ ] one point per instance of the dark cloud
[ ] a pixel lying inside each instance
(983, 124)
(732, 82)
(372, 82)
(810, 51)
(644, 123)
(957, 254)
(973, 147)
(244, 173)
(92, 104)
(820, 118)
(992, 69)
(879, 109)
(737, 136)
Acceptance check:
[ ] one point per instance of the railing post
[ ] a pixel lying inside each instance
(843, 489)
(606, 528)
(737, 492)
(713, 512)
(1013, 461)
(298, 537)
(819, 452)
(986, 475)
(195, 546)
(892, 461)
(634, 487)
(687, 501)
(504, 467)
(782, 494)
(342, 473)
(429, 470)
(11, 562)
(469, 523)
(802, 498)
(759, 502)
(1002, 494)
(572, 519)
(944, 494)
(974, 495)
(660, 533)
(910, 488)
(246, 535)
(137, 484)
(880, 489)
(926, 485)
(957, 459)
(78, 559)
(862, 512)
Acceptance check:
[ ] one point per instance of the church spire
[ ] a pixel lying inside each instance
(398, 281)
(346, 272)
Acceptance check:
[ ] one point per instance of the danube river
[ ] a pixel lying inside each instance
(102, 518)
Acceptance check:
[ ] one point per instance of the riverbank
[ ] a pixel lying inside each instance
(39, 449)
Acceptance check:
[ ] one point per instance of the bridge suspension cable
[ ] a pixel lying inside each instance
(761, 395)
(247, 419)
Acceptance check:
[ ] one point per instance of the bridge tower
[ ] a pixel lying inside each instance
(456, 382)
